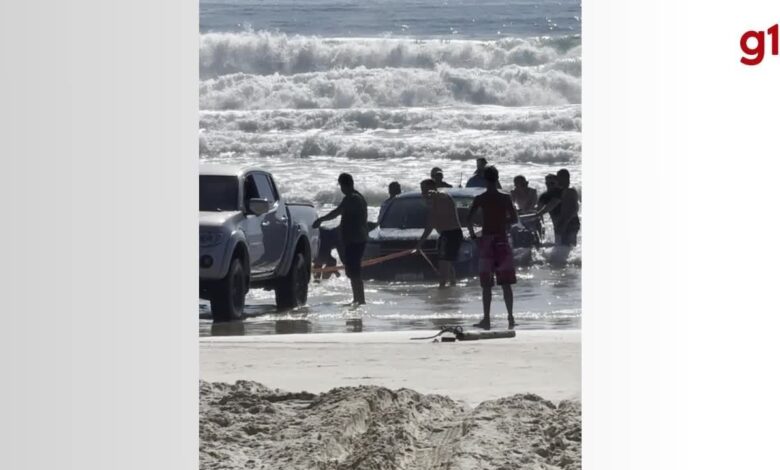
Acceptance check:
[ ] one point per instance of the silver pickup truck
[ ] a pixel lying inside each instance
(251, 237)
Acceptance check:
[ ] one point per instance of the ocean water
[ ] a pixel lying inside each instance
(385, 91)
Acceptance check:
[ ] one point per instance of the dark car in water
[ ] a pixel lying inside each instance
(402, 225)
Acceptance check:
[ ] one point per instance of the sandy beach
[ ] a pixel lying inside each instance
(382, 401)
(545, 363)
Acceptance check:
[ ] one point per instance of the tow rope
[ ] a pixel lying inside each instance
(364, 263)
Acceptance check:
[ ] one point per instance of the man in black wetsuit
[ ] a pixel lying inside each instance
(354, 233)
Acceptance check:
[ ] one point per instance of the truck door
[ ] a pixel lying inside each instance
(253, 227)
(275, 223)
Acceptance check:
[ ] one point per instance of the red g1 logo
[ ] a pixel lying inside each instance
(753, 45)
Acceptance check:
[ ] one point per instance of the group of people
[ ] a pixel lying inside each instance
(500, 211)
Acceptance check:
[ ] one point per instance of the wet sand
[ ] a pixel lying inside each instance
(545, 363)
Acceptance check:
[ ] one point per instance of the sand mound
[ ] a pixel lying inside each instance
(247, 425)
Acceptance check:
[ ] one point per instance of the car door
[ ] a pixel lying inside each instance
(275, 224)
(252, 226)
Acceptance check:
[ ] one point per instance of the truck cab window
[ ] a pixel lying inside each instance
(264, 188)
(250, 190)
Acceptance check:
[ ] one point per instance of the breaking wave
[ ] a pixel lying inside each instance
(266, 53)
(527, 120)
(464, 145)
(370, 88)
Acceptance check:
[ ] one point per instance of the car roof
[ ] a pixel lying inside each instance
(211, 169)
(454, 192)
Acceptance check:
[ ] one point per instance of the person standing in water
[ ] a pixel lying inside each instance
(495, 252)
(354, 233)
(523, 196)
(568, 220)
(438, 178)
(562, 203)
(548, 201)
(478, 179)
(393, 190)
(442, 216)
(525, 200)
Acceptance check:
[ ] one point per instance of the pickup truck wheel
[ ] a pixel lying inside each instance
(293, 289)
(227, 300)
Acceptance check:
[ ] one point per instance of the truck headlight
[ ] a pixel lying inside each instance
(211, 238)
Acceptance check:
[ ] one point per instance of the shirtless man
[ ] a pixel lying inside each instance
(568, 222)
(548, 201)
(525, 199)
(524, 196)
(562, 203)
(442, 216)
(495, 252)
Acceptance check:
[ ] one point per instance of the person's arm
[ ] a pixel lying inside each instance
(512, 213)
(469, 218)
(329, 216)
(426, 232)
(552, 204)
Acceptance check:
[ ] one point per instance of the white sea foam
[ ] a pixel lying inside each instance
(489, 118)
(266, 53)
(369, 88)
(557, 148)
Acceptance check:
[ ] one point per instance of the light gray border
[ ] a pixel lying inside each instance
(98, 133)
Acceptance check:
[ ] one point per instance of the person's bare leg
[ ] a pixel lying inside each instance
(487, 294)
(452, 274)
(358, 294)
(509, 300)
(444, 269)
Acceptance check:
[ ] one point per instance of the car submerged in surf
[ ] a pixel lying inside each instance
(402, 225)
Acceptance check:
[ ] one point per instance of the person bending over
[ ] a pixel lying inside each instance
(329, 240)
(354, 233)
(442, 216)
(495, 252)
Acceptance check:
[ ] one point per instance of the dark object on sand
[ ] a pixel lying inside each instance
(451, 333)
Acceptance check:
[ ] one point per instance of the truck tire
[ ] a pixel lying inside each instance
(227, 299)
(293, 289)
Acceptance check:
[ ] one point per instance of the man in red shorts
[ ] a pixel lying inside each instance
(495, 252)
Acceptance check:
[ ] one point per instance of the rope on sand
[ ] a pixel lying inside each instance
(461, 335)
(456, 330)
(365, 263)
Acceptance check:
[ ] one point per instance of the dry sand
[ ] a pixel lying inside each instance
(245, 425)
(380, 401)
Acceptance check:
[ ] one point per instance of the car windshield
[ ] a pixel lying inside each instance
(218, 193)
(410, 212)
